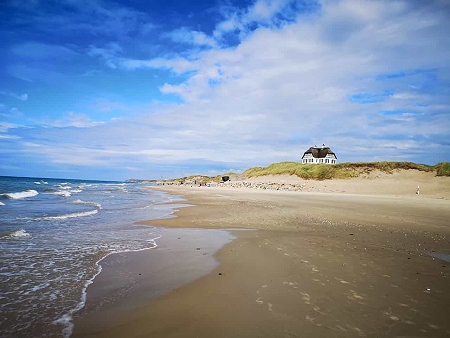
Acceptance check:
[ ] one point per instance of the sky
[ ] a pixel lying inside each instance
(99, 89)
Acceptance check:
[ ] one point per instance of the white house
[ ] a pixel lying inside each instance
(319, 155)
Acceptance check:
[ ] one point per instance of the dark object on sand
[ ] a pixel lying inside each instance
(225, 178)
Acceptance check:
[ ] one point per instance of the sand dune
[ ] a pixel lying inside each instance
(399, 183)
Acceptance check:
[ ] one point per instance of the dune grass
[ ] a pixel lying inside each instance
(442, 169)
(342, 170)
(324, 171)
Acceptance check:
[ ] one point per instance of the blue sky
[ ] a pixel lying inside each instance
(151, 89)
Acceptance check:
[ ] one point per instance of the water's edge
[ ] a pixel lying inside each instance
(134, 279)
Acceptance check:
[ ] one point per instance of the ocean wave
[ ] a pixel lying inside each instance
(66, 216)
(20, 195)
(67, 318)
(63, 193)
(2, 203)
(40, 182)
(75, 191)
(17, 234)
(98, 205)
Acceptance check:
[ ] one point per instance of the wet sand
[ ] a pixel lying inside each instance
(130, 280)
(317, 264)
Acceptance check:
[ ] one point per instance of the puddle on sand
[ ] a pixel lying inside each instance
(442, 257)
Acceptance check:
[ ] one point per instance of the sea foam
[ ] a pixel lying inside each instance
(78, 201)
(66, 319)
(66, 216)
(20, 195)
(17, 234)
(63, 193)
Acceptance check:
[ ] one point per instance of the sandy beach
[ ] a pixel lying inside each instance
(356, 258)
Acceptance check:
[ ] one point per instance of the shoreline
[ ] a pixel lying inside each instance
(316, 265)
(130, 280)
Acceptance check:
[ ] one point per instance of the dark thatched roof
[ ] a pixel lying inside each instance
(319, 152)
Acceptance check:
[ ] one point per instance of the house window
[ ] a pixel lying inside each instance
(327, 161)
(321, 160)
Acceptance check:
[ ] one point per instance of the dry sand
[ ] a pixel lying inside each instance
(317, 265)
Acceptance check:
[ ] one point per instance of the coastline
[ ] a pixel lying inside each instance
(317, 264)
(130, 280)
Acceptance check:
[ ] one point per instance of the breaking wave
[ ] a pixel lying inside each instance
(20, 195)
(98, 205)
(66, 216)
(63, 193)
(17, 234)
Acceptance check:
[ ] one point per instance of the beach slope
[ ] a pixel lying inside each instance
(314, 264)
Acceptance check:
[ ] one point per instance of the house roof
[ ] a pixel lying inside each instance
(319, 152)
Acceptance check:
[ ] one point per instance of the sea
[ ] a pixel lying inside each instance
(54, 233)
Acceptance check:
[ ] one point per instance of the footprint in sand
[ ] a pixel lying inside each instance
(391, 316)
(293, 284)
(319, 281)
(306, 298)
(355, 295)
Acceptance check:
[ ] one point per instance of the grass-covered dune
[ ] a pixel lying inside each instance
(324, 171)
(342, 170)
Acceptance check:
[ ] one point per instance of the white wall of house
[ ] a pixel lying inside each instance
(309, 159)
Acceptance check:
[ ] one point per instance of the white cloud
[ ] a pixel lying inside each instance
(178, 65)
(72, 119)
(281, 90)
(5, 126)
(109, 54)
(106, 106)
(262, 13)
(406, 96)
(295, 81)
(9, 137)
(183, 35)
(21, 97)
(264, 10)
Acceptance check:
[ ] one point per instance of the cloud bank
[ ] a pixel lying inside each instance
(261, 85)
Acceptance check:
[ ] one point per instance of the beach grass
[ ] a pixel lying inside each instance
(442, 169)
(323, 171)
(342, 170)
